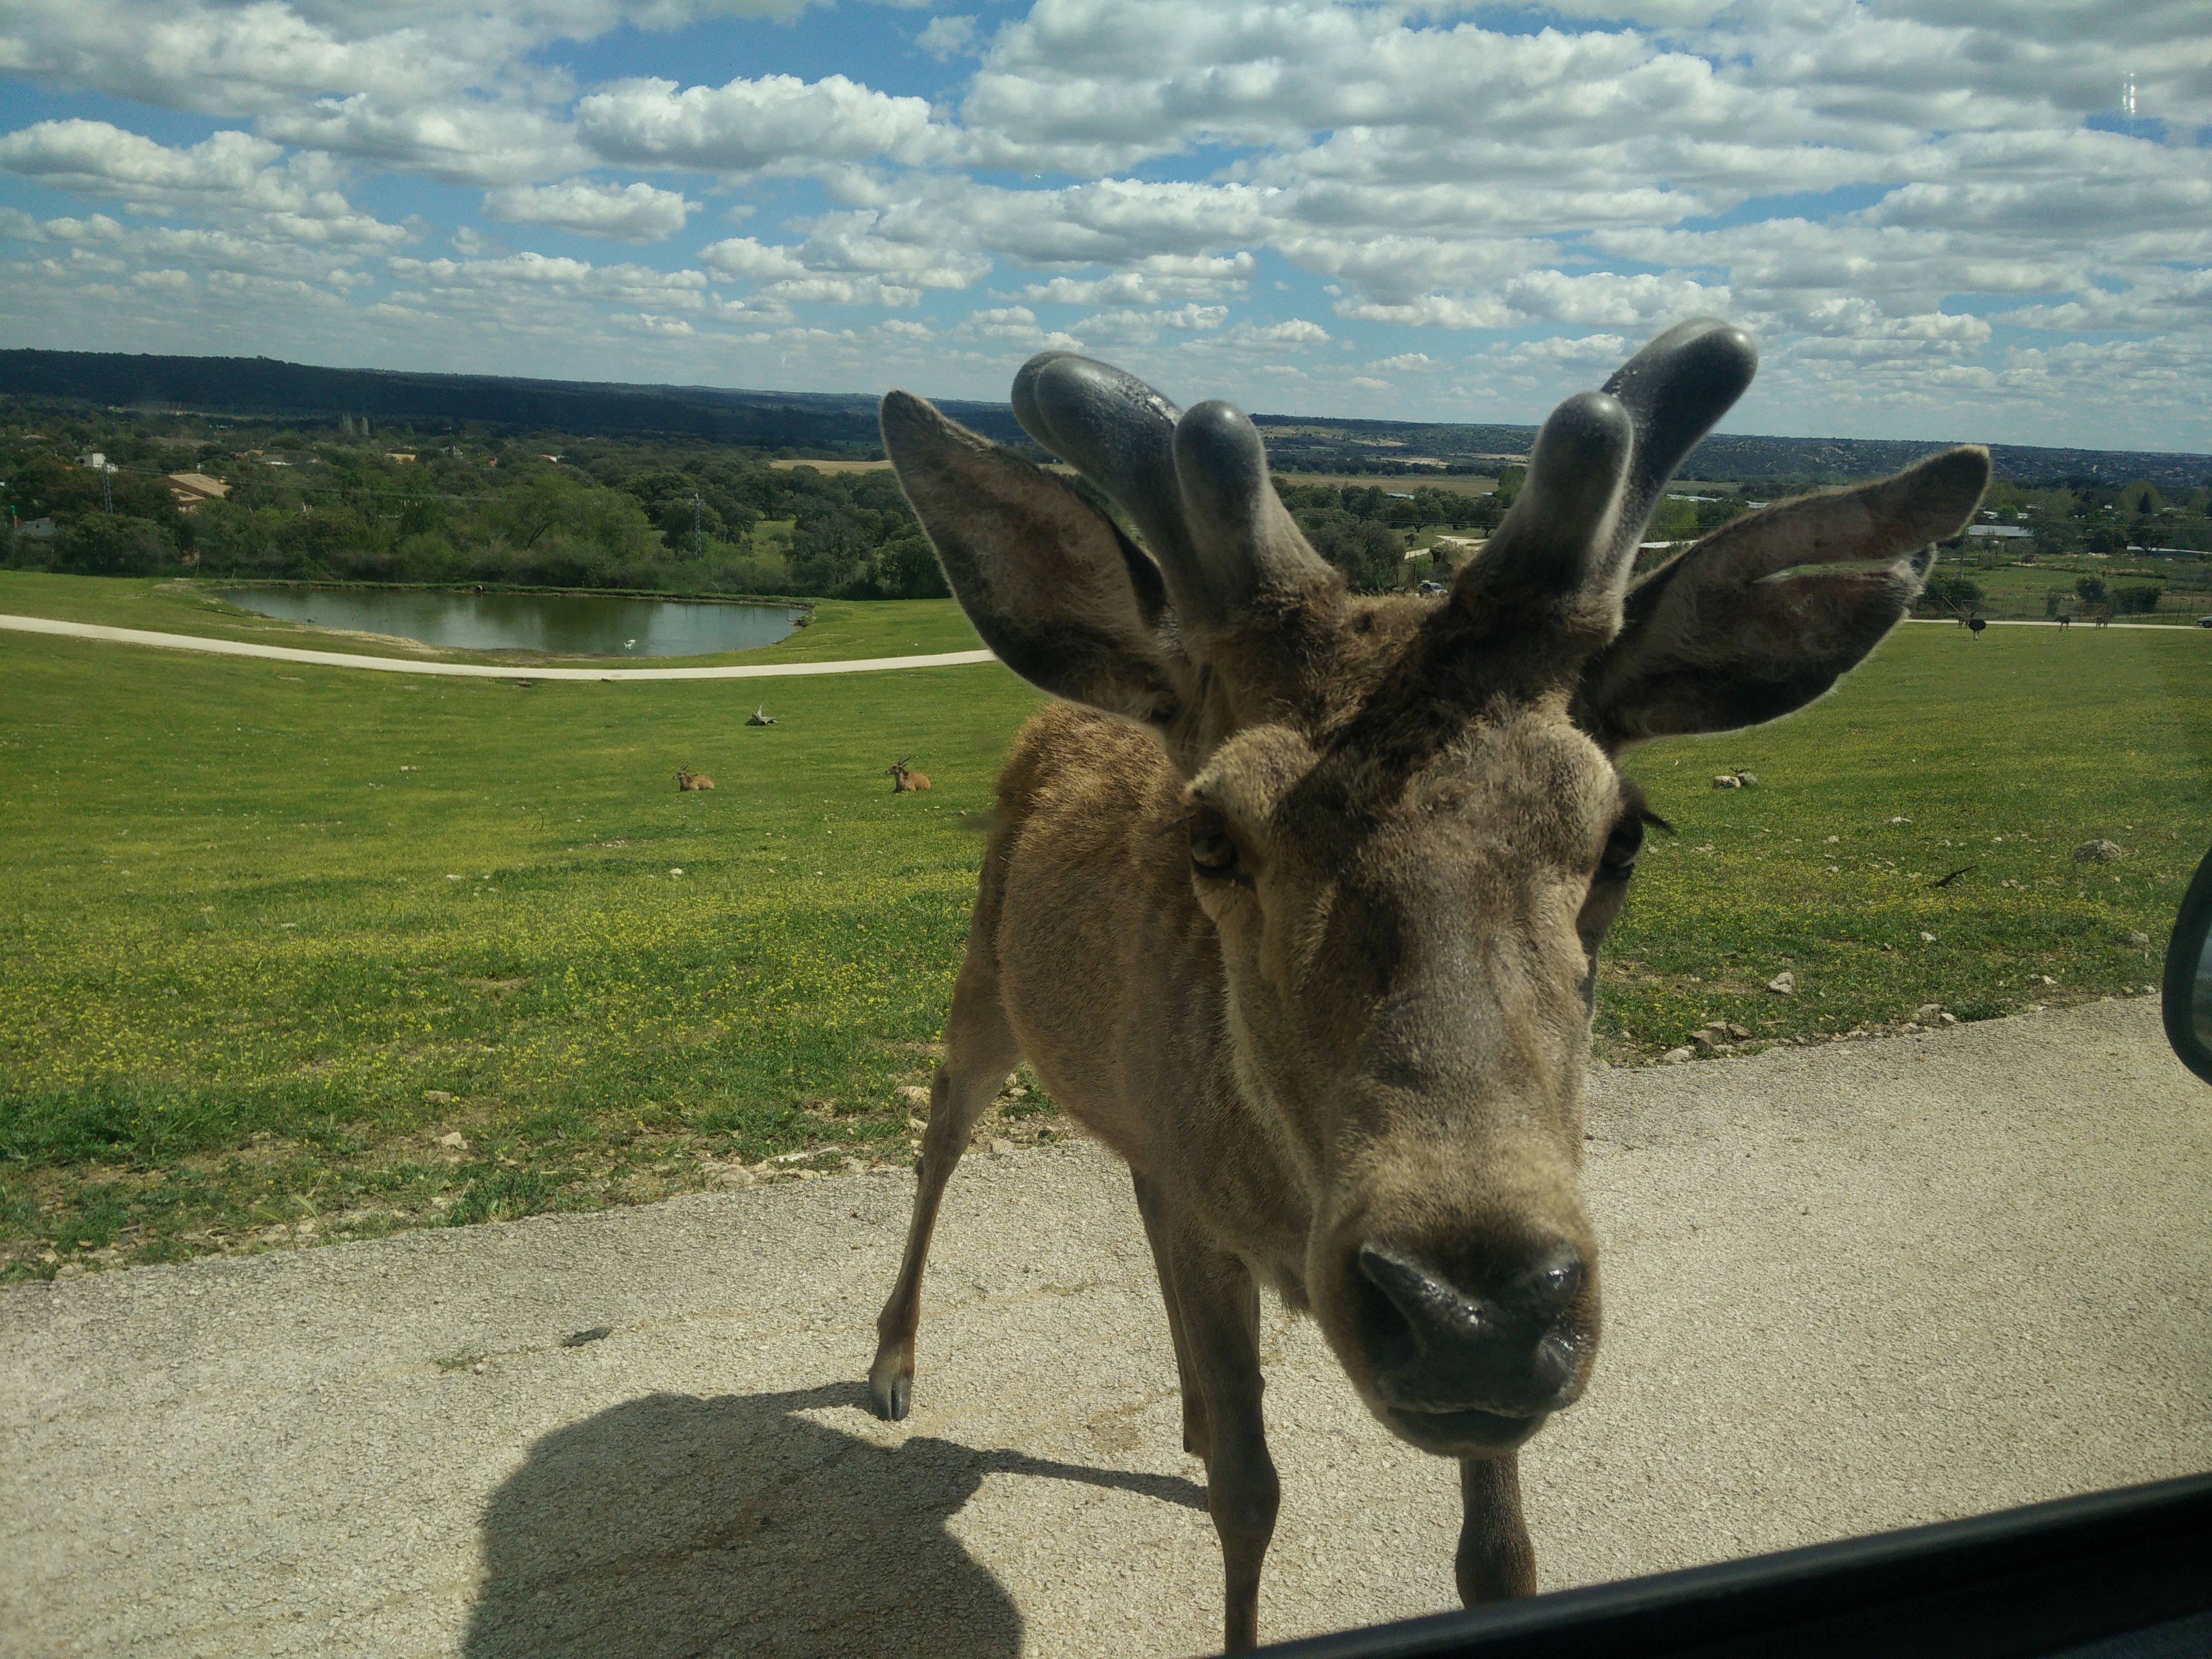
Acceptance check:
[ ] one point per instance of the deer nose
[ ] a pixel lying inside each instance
(1507, 1346)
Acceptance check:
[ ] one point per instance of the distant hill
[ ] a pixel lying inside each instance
(837, 423)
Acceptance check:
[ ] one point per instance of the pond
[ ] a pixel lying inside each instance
(568, 624)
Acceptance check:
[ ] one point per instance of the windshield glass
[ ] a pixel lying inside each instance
(1498, 714)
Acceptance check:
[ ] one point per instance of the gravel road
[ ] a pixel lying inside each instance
(1848, 1288)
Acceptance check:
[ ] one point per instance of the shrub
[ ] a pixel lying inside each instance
(2135, 598)
(114, 545)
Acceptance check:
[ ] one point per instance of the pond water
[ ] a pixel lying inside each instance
(571, 624)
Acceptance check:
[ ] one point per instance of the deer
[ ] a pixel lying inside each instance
(1294, 897)
(905, 780)
(687, 780)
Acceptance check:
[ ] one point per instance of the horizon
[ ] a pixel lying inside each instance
(1992, 223)
(178, 409)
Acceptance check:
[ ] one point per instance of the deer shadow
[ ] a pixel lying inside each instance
(673, 1525)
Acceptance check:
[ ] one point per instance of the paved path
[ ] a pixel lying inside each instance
(767, 671)
(1848, 1288)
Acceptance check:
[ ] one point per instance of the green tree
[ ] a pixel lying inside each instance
(114, 545)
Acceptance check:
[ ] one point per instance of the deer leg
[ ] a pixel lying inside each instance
(1220, 1308)
(1496, 1561)
(980, 1050)
(1195, 1439)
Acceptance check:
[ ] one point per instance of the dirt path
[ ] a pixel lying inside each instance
(1848, 1288)
(476, 671)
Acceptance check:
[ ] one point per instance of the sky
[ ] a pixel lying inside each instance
(1942, 219)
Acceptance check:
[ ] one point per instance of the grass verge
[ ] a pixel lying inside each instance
(289, 954)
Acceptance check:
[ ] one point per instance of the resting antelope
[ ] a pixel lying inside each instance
(1295, 901)
(689, 780)
(905, 780)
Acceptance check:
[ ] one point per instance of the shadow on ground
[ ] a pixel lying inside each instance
(672, 1525)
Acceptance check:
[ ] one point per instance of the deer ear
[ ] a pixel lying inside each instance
(1746, 627)
(1057, 593)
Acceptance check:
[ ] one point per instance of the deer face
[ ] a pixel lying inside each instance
(1402, 818)
(1408, 962)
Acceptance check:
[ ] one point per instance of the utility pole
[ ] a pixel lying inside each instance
(698, 541)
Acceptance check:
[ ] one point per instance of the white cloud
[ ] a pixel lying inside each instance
(231, 176)
(948, 37)
(751, 126)
(620, 212)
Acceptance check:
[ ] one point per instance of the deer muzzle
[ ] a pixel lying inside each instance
(1463, 1369)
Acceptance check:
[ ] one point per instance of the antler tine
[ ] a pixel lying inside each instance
(1674, 390)
(1196, 484)
(1117, 432)
(1568, 510)
(1249, 540)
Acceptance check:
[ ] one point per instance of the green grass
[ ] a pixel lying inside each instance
(256, 917)
(2018, 591)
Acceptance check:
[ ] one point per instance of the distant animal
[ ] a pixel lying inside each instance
(1975, 625)
(1296, 902)
(2065, 621)
(760, 716)
(2102, 616)
(905, 780)
(686, 779)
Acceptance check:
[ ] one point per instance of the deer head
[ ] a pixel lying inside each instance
(1404, 817)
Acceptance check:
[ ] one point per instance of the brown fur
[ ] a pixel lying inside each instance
(905, 780)
(688, 780)
(1304, 924)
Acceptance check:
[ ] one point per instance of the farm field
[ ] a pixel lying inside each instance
(2019, 590)
(269, 936)
(1459, 483)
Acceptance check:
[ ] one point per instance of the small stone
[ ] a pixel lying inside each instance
(675, 872)
(1001, 1146)
(1911, 1026)
(2096, 852)
(1740, 1033)
(1783, 985)
(436, 1098)
(1900, 820)
(1832, 840)
(1927, 1012)
(915, 1100)
(455, 1140)
(912, 1122)
(2141, 941)
(1927, 938)
(1703, 1040)
(1949, 1019)
(1677, 1056)
(479, 1367)
(597, 1334)
(1748, 779)
(1728, 780)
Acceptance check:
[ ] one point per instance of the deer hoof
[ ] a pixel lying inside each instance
(891, 1386)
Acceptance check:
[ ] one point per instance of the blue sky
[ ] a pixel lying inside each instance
(1963, 219)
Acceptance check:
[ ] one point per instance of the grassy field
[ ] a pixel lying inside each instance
(293, 953)
(2019, 590)
(1459, 483)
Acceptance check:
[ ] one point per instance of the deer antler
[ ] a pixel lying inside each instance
(1195, 484)
(1597, 471)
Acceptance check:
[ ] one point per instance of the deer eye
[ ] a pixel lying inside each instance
(1212, 848)
(1618, 861)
